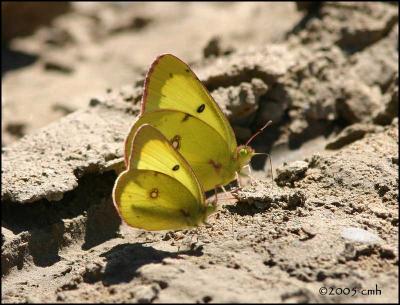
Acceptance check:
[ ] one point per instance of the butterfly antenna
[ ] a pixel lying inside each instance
(258, 132)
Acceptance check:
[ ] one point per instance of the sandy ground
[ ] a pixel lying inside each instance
(327, 76)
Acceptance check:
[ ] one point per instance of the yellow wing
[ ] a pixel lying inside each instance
(154, 201)
(201, 146)
(171, 84)
(152, 151)
(158, 191)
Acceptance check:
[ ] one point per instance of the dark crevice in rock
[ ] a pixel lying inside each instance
(245, 75)
(91, 190)
(311, 9)
(42, 228)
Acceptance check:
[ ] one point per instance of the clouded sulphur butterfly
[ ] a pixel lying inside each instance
(158, 190)
(176, 103)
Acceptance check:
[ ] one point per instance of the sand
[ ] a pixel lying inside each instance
(324, 228)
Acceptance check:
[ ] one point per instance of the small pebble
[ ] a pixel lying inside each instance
(360, 235)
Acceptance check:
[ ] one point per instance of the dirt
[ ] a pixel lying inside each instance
(326, 75)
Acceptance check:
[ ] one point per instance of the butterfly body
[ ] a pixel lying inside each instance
(177, 104)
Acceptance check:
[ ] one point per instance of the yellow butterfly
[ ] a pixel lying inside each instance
(176, 103)
(158, 190)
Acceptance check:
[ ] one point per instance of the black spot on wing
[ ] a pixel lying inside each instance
(175, 168)
(201, 108)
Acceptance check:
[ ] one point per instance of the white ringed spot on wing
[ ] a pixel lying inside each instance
(154, 193)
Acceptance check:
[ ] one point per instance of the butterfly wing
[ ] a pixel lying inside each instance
(208, 141)
(202, 147)
(153, 201)
(171, 84)
(158, 191)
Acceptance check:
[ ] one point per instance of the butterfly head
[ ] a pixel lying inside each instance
(244, 154)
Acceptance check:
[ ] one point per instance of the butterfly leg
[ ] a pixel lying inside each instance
(216, 195)
(185, 239)
(179, 246)
(238, 180)
(223, 188)
(191, 237)
(249, 167)
(241, 173)
(194, 232)
(250, 174)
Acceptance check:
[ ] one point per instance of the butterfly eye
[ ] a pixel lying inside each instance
(243, 152)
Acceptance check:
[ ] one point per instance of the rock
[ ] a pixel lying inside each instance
(217, 47)
(380, 212)
(298, 126)
(238, 103)
(353, 165)
(308, 6)
(359, 235)
(309, 229)
(379, 20)
(16, 129)
(298, 295)
(390, 108)
(144, 293)
(359, 101)
(265, 195)
(268, 64)
(291, 172)
(387, 252)
(13, 250)
(61, 64)
(127, 23)
(307, 94)
(295, 200)
(376, 65)
(351, 26)
(349, 135)
(60, 150)
(20, 19)
(382, 188)
(93, 272)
